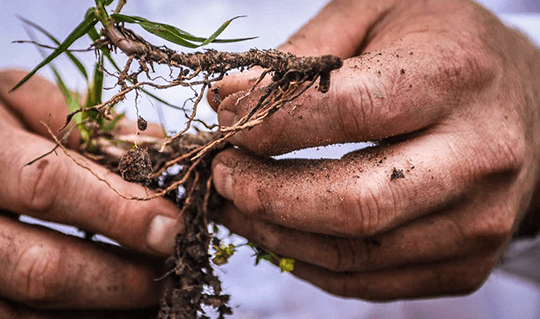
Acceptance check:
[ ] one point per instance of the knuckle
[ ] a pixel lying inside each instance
(268, 236)
(464, 277)
(496, 160)
(36, 277)
(495, 228)
(35, 185)
(361, 213)
(344, 255)
(352, 255)
(115, 215)
(468, 68)
(268, 138)
(510, 153)
(502, 156)
(472, 282)
(253, 202)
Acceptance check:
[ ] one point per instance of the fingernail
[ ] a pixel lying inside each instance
(226, 118)
(223, 180)
(161, 234)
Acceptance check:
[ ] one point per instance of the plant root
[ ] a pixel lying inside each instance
(179, 167)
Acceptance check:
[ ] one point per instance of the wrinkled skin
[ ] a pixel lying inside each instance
(453, 96)
(44, 269)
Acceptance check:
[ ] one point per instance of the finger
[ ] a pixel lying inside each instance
(455, 277)
(372, 97)
(11, 310)
(45, 269)
(417, 242)
(370, 191)
(38, 100)
(56, 189)
(340, 29)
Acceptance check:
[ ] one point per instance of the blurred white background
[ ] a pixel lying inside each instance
(262, 291)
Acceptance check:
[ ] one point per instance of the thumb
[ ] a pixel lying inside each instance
(340, 29)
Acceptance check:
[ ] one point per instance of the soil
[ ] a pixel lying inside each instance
(136, 165)
(397, 174)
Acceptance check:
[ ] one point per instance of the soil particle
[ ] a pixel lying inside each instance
(397, 174)
(43, 163)
(136, 165)
(141, 123)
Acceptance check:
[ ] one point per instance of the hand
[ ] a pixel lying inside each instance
(452, 95)
(42, 268)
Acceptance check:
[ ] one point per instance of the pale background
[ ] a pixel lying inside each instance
(262, 292)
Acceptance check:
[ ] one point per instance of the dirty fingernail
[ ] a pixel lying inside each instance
(223, 180)
(226, 118)
(161, 234)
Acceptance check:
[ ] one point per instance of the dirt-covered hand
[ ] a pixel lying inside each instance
(46, 269)
(452, 96)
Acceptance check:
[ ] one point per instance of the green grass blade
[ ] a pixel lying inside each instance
(164, 31)
(71, 101)
(233, 40)
(93, 34)
(176, 35)
(72, 104)
(168, 33)
(98, 81)
(162, 101)
(72, 57)
(219, 30)
(112, 124)
(89, 21)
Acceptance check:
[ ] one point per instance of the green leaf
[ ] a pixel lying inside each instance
(72, 57)
(223, 253)
(93, 34)
(98, 82)
(175, 35)
(286, 264)
(88, 22)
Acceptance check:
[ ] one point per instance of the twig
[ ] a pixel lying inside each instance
(41, 156)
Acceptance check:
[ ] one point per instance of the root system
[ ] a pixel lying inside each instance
(178, 167)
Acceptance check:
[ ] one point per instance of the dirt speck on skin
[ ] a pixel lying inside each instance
(396, 174)
(43, 163)
(136, 165)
